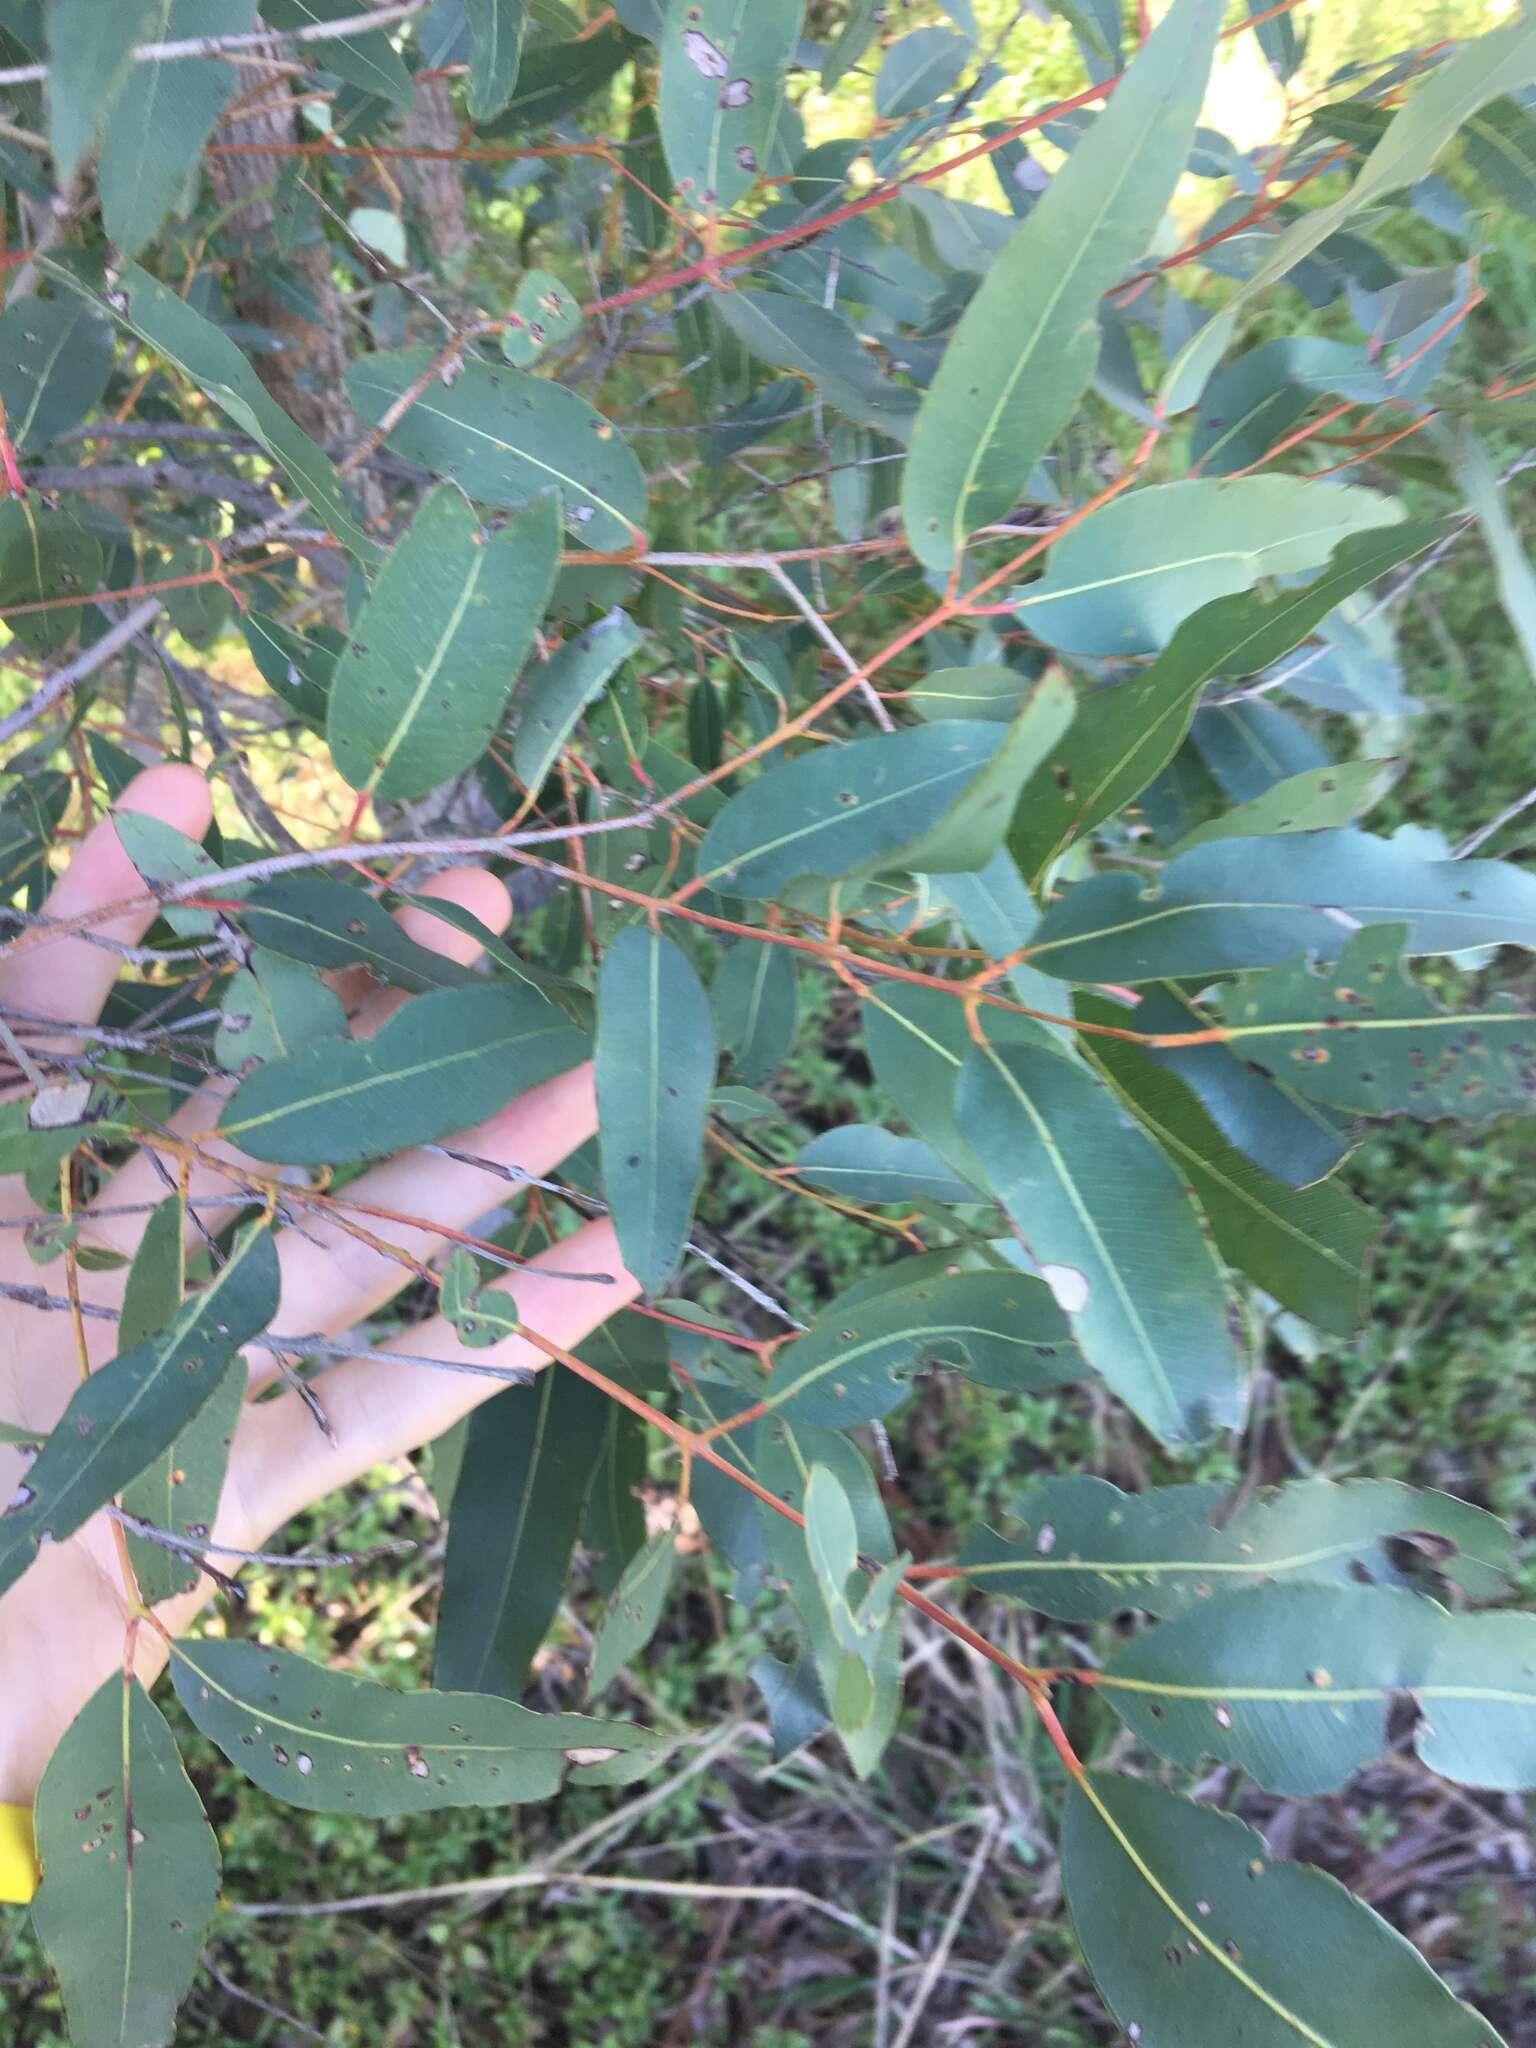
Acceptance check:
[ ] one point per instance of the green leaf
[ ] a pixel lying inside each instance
(1480, 484)
(1500, 146)
(999, 913)
(1251, 404)
(298, 667)
(614, 1528)
(421, 683)
(992, 411)
(161, 116)
(130, 1871)
(55, 359)
(1307, 1247)
(327, 924)
(446, 1061)
(1122, 737)
(1316, 800)
(543, 315)
(985, 691)
(206, 355)
(1122, 582)
(1254, 902)
(164, 858)
(90, 56)
(481, 1316)
(369, 60)
(132, 1407)
(863, 1163)
(818, 343)
(273, 1008)
(633, 1612)
(857, 1651)
(756, 1008)
(1105, 1218)
(1362, 1037)
(505, 437)
(917, 70)
(517, 1509)
(1196, 1936)
(495, 49)
(557, 691)
(333, 1744)
(1085, 1551)
(655, 1070)
(556, 78)
(721, 95)
(1293, 1684)
(1001, 1330)
(45, 556)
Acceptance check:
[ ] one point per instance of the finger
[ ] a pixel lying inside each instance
(69, 979)
(215, 1194)
(379, 1411)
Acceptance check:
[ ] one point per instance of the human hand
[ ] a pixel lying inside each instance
(63, 1624)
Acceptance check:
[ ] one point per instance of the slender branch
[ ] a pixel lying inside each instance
(251, 39)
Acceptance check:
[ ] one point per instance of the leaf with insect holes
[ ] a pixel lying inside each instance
(272, 1008)
(46, 558)
(420, 685)
(445, 1061)
(480, 1316)
(322, 1740)
(993, 410)
(299, 667)
(55, 359)
(865, 1163)
(326, 924)
(543, 314)
(633, 1612)
(756, 1006)
(557, 691)
(1197, 1937)
(130, 1409)
(1085, 1551)
(819, 343)
(721, 95)
(130, 1871)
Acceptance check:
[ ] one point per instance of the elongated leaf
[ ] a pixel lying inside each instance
(326, 924)
(272, 1008)
(1362, 1037)
(298, 667)
(90, 55)
(614, 1529)
(1086, 1551)
(335, 1744)
(993, 410)
(1124, 736)
(1255, 902)
(44, 556)
(160, 118)
(721, 94)
(213, 362)
(368, 60)
(130, 1871)
(756, 1006)
(1122, 582)
(505, 437)
(1250, 404)
(55, 359)
(1315, 800)
(517, 1507)
(863, 1163)
(634, 1611)
(983, 691)
(421, 683)
(1501, 147)
(1106, 1219)
(495, 42)
(132, 1407)
(1197, 1936)
(1293, 1684)
(1305, 1246)
(1484, 491)
(554, 79)
(820, 344)
(999, 914)
(559, 690)
(655, 1070)
(1002, 1330)
(446, 1061)
(917, 69)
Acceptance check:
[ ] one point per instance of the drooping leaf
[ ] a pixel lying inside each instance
(505, 437)
(90, 56)
(1195, 1934)
(1123, 581)
(614, 1528)
(560, 689)
(1123, 736)
(517, 1508)
(1305, 1246)
(1360, 1036)
(756, 1007)
(1293, 1683)
(992, 411)
(55, 359)
(1001, 1330)
(130, 1871)
(46, 557)
(367, 60)
(326, 924)
(1484, 490)
(129, 1409)
(1254, 902)
(1086, 1551)
(721, 95)
(856, 1647)
(495, 44)
(634, 1611)
(335, 1744)
(819, 343)
(1105, 1217)
(161, 116)
(421, 683)
(445, 1061)
(655, 1069)
(864, 1163)
(298, 667)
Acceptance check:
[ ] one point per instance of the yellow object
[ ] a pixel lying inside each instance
(18, 1856)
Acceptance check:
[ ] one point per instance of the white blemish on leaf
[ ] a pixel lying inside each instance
(1069, 1286)
(703, 55)
(590, 1756)
(737, 92)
